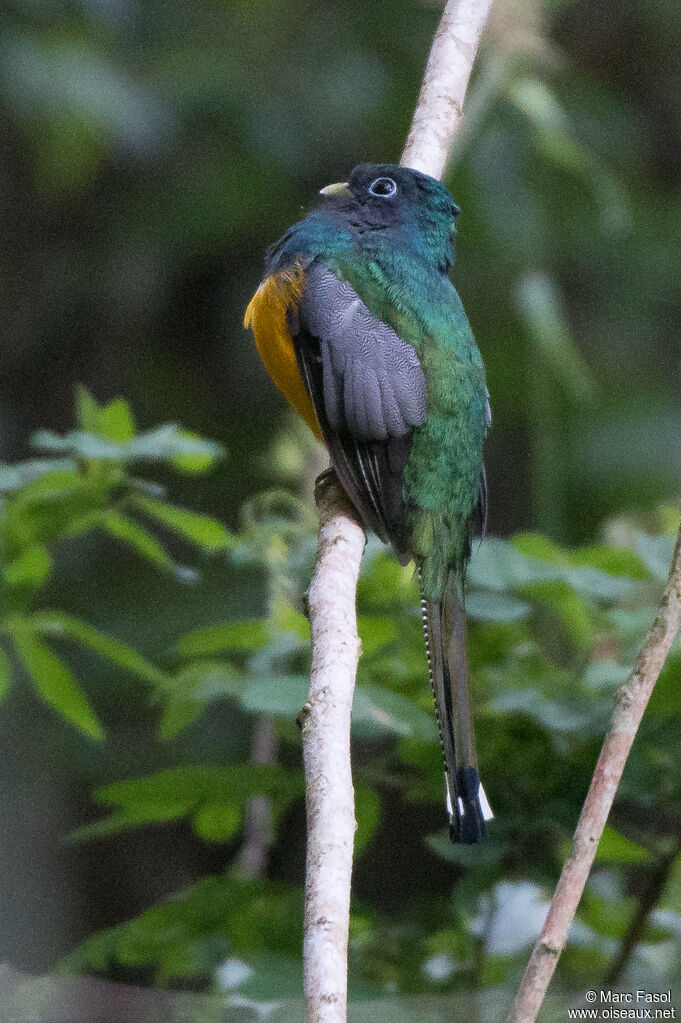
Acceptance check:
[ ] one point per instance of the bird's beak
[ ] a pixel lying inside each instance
(338, 188)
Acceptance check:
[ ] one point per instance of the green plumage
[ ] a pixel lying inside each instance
(404, 282)
(398, 384)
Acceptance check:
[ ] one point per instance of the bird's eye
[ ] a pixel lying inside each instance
(384, 188)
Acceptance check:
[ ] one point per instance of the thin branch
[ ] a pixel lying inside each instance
(655, 885)
(439, 110)
(325, 719)
(325, 725)
(252, 858)
(630, 704)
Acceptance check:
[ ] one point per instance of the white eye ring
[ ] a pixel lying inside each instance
(382, 188)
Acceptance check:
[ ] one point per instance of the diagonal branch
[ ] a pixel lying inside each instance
(630, 704)
(439, 110)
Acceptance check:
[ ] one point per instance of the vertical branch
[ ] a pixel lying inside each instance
(252, 859)
(631, 701)
(325, 725)
(325, 719)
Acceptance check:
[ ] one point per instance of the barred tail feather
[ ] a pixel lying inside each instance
(444, 625)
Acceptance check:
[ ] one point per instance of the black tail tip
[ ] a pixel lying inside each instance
(469, 810)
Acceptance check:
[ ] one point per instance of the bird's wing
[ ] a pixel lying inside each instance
(368, 391)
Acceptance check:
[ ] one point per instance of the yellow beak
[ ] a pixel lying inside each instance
(338, 188)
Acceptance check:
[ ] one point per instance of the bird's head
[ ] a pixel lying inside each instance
(387, 197)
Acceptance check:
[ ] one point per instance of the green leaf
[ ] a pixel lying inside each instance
(177, 715)
(611, 561)
(195, 930)
(248, 634)
(13, 477)
(367, 812)
(54, 681)
(375, 632)
(195, 784)
(556, 715)
(186, 695)
(165, 443)
(283, 697)
(208, 680)
(631, 626)
(605, 674)
(276, 655)
(199, 455)
(168, 443)
(575, 567)
(87, 410)
(616, 848)
(52, 487)
(138, 537)
(542, 307)
(82, 445)
(113, 422)
(607, 916)
(670, 518)
(267, 977)
(200, 529)
(616, 561)
(31, 568)
(57, 623)
(379, 711)
(487, 606)
(217, 822)
(664, 701)
(116, 422)
(5, 674)
(497, 565)
(486, 854)
(383, 581)
(133, 816)
(593, 583)
(656, 553)
(287, 618)
(202, 791)
(569, 607)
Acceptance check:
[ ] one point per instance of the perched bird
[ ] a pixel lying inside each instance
(358, 323)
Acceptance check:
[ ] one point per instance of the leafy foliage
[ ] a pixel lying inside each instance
(89, 487)
(553, 632)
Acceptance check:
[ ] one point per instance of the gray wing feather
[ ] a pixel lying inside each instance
(376, 418)
(373, 382)
(394, 419)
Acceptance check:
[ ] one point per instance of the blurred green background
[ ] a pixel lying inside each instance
(150, 152)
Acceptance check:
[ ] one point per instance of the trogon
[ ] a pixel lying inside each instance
(358, 323)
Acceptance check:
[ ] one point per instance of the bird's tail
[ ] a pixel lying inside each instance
(444, 625)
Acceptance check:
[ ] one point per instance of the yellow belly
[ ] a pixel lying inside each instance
(266, 316)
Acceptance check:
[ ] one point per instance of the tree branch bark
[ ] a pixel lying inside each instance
(325, 726)
(325, 719)
(439, 110)
(630, 704)
(252, 859)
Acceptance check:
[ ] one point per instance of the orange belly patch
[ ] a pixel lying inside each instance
(266, 316)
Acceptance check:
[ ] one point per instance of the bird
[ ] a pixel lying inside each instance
(358, 323)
